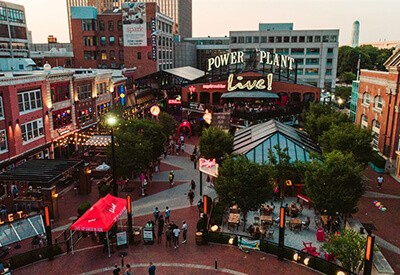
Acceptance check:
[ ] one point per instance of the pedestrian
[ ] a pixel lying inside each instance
(191, 197)
(194, 161)
(176, 232)
(156, 214)
(208, 181)
(193, 185)
(177, 148)
(200, 205)
(160, 229)
(117, 270)
(167, 214)
(171, 178)
(195, 150)
(165, 153)
(184, 230)
(128, 270)
(168, 235)
(183, 148)
(152, 269)
(380, 181)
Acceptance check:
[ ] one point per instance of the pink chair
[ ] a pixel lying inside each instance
(309, 248)
(321, 236)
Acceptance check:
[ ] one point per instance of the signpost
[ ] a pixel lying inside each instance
(122, 239)
(209, 167)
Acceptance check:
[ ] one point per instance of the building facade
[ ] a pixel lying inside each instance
(354, 100)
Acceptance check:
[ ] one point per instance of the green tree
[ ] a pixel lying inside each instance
(335, 185)
(347, 77)
(349, 249)
(243, 182)
(214, 143)
(168, 123)
(348, 138)
(343, 93)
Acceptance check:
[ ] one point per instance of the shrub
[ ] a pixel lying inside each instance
(378, 160)
(83, 208)
(105, 190)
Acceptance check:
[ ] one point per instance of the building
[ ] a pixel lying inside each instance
(355, 35)
(354, 100)
(315, 51)
(115, 39)
(377, 107)
(383, 44)
(181, 13)
(54, 57)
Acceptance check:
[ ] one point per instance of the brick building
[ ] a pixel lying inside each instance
(377, 107)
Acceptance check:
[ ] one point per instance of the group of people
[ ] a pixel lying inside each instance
(176, 145)
(128, 270)
(173, 231)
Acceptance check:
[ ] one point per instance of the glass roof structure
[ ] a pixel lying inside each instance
(21, 229)
(254, 142)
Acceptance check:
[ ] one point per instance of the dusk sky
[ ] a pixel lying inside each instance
(379, 19)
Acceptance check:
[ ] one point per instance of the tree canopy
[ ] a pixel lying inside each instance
(244, 182)
(336, 184)
(343, 93)
(214, 143)
(168, 123)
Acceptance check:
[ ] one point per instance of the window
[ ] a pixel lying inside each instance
(317, 39)
(302, 39)
(313, 51)
(85, 116)
(29, 101)
(333, 38)
(89, 41)
(18, 32)
(271, 39)
(149, 55)
(139, 55)
(103, 55)
(32, 130)
(102, 41)
(294, 39)
(110, 25)
(325, 38)
(85, 91)
(256, 39)
(111, 39)
(286, 39)
(103, 108)
(279, 39)
(248, 39)
(1, 108)
(119, 25)
(299, 61)
(309, 39)
(329, 61)
(241, 39)
(3, 141)
(112, 55)
(311, 71)
(330, 50)
(328, 72)
(88, 25)
(364, 121)
(378, 102)
(101, 88)
(3, 14)
(297, 51)
(234, 40)
(16, 16)
(60, 92)
(90, 55)
(263, 39)
(121, 55)
(102, 26)
(62, 118)
(120, 41)
(299, 71)
(312, 61)
(366, 98)
(282, 51)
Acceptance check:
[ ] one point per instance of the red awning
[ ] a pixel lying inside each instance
(102, 215)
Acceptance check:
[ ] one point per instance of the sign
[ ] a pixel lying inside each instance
(122, 238)
(209, 167)
(213, 86)
(207, 117)
(134, 24)
(255, 84)
(192, 89)
(11, 217)
(155, 110)
(122, 95)
(148, 234)
(174, 102)
(221, 120)
(153, 38)
(267, 58)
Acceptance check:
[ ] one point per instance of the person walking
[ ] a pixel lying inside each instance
(160, 229)
(152, 269)
(171, 178)
(191, 197)
(168, 235)
(117, 270)
(184, 230)
(200, 205)
(167, 215)
(195, 161)
(128, 270)
(193, 185)
(380, 181)
(156, 214)
(176, 232)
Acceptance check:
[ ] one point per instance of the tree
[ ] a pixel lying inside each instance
(347, 77)
(243, 182)
(349, 249)
(214, 143)
(336, 184)
(168, 123)
(348, 138)
(343, 93)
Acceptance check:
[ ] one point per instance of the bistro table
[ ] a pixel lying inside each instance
(234, 219)
(266, 219)
(293, 223)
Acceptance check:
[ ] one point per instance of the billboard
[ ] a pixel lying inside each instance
(134, 24)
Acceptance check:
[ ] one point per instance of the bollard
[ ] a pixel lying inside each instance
(216, 263)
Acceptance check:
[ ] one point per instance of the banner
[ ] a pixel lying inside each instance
(249, 244)
(153, 38)
(134, 24)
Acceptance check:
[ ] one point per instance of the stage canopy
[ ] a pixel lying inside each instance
(185, 124)
(249, 94)
(102, 215)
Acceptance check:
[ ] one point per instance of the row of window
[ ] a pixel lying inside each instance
(111, 41)
(163, 26)
(29, 101)
(111, 56)
(14, 15)
(102, 25)
(284, 39)
(32, 130)
(293, 51)
(378, 100)
(312, 71)
(84, 91)
(60, 92)
(62, 118)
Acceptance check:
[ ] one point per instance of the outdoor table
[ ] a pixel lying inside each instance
(266, 219)
(324, 219)
(294, 222)
(265, 210)
(234, 219)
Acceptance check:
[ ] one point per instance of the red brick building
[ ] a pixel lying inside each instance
(377, 107)
(98, 40)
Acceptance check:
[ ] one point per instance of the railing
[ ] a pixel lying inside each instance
(291, 254)
(267, 114)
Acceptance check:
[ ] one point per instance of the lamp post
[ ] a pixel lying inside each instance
(112, 121)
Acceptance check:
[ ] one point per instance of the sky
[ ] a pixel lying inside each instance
(379, 19)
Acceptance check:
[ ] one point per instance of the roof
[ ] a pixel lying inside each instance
(21, 229)
(187, 72)
(249, 94)
(40, 171)
(249, 138)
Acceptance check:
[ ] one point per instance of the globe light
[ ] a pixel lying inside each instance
(111, 121)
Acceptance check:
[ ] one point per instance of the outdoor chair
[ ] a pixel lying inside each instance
(309, 248)
(270, 234)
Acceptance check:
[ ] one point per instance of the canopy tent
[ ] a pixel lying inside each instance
(102, 167)
(249, 94)
(185, 124)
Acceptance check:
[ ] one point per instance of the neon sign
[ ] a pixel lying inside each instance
(10, 217)
(213, 86)
(207, 117)
(122, 95)
(249, 84)
(155, 110)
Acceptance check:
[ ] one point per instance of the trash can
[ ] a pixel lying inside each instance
(136, 237)
(199, 238)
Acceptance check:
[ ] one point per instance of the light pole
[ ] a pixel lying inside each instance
(112, 121)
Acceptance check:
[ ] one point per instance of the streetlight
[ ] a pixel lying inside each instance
(112, 121)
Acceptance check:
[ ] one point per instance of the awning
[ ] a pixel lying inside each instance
(102, 215)
(187, 72)
(97, 140)
(249, 94)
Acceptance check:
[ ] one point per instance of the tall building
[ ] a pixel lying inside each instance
(180, 11)
(355, 34)
(13, 31)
